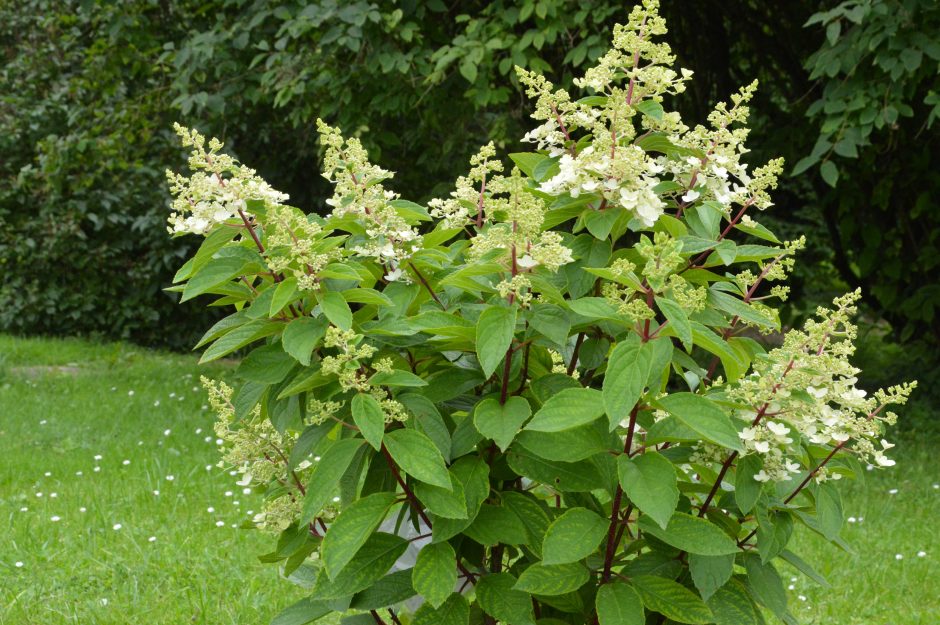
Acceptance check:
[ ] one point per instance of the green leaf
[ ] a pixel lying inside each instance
(222, 326)
(627, 371)
(649, 480)
(371, 562)
(391, 589)
(239, 337)
(283, 295)
(428, 419)
(829, 173)
(678, 319)
(692, 534)
(369, 418)
(397, 377)
(495, 329)
(351, 529)
(526, 161)
(501, 423)
(568, 409)
(336, 309)
(773, 532)
(573, 536)
(449, 504)
(593, 308)
(454, 611)
(568, 446)
(727, 251)
(733, 365)
(801, 565)
(410, 210)
(746, 488)
(737, 307)
(828, 510)
(600, 223)
(546, 169)
(367, 296)
(709, 573)
(215, 241)
(619, 604)
(267, 364)
(658, 142)
(704, 416)
(650, 108)
(551, 321)
(498, 598)
(301, 336)
(304, 611)
(552, 579)
(217, 271)
(766, 585)
(564, 476)
(731, 605)
(418, 457)
(803, 164)
(532, 514)
(468, 69)
(758, 230)
(435, 572)
(474, 474)
(495, 525)
(673, 600)
(326, 474)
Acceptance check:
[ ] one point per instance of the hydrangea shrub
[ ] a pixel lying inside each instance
(545, 398)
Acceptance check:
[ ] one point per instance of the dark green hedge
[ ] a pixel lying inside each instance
(90, 88)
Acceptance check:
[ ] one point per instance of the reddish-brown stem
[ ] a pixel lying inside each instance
(413, 501)
(564, 129)
(636, 61)
(646, 323)
(377, 618)
(496, 558)
(251, 230)
(427, 286)
(734, 221)
(731, 457)
(574, 354)
(480, 201)
(813, 473)
(721, 476)
(504, 387)
(615, 505)
(624, 522)
(415, 504)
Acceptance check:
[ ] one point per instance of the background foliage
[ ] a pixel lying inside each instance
(90, 87)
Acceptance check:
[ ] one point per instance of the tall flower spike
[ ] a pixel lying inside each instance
(359, 194)
(217, 190)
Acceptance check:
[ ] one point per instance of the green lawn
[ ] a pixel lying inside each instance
(170, 562)
(97, 543)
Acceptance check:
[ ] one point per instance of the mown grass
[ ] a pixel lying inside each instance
(124, 404)
(62, 402)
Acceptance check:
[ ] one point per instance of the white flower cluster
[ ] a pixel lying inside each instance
(471, 191)
(257, 451)
(805, 392)
(218, 189)
(517, 231)
(359, 194)
(349, 365)
(598, 141)
(296, 245)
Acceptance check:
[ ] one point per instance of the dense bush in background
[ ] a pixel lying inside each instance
(89, 86)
